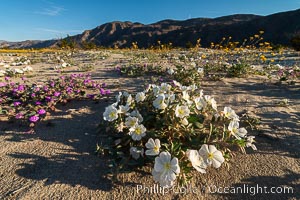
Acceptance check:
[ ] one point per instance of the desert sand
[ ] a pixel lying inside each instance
(59, 161)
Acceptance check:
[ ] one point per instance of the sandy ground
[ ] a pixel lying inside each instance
(59, 161)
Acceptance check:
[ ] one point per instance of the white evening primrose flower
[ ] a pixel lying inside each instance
(2, 73)
(193, 87)
(165, 169)
(137, 132)
(18, 71)
(201, 93)
(230, 114)
(129, 100)
(200, 103)
(182, 111)
(193, 64)
(110, 114)
(136, 152)
(200, 70)
(197, 161)
(148, 88)
(28, 69)
(184, 121)
(131, 121)
(156, 90)
(170, 98)
(211, 101)
(139, 97)
(185, 96)
(159, 102)
(234, 129)
(118, 97)
(177, 84)
(153, 147)
(165, 88)
(170, 71)
(211, 155)
(64, 65)
(137, 114)
(123, 109)
(249, 142)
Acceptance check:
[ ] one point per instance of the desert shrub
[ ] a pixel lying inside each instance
(137, 70)
(186, 75)
(239, 70)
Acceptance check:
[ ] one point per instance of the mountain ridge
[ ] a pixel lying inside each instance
(279, 29)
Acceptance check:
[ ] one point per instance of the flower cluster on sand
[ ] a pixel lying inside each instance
(176, 127)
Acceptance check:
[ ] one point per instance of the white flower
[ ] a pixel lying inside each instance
(159, 102)
(140, 96)
(137, 114)
(193, 64)
(165, 87)
(64, 65)
(185, 95)
(148, 88)
(156, 90)
(177, 84)
(211, 155)
(137, 132)
(170, 98)
(28, 69)
(170, 71)
(234, 129)
(153, 147)
(249, 142)
(129, 100)
(211, 101)
(110, 114)
(136, 153)
(2, 73)
(193, 87)
(165, 170)
(230, 114)
(123, 109)
(118, 97)
(200, 70)
(131, 121)
(200, 103)
(196, 160)
(182, 111)
(184, 121)
(18, 71)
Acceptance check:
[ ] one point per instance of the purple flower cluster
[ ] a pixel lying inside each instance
(30, 102)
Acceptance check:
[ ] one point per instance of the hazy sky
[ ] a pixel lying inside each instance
(47, 19)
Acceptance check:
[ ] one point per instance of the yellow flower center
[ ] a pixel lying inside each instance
(132, 123)
(156, 149)
(210, 156)
(138, 131)
(181, 111)
(167, 166)
(112, 115)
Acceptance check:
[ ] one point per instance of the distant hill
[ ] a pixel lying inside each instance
(279, 28)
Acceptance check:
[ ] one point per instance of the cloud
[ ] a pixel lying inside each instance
(58, 31)
(51, 11)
